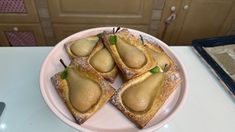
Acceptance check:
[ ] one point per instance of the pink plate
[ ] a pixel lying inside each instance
(108, 118)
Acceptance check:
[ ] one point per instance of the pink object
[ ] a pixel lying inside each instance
(108, 118)
(16, 38)
(12, 6)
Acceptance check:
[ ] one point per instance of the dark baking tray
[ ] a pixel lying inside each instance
(211, 42)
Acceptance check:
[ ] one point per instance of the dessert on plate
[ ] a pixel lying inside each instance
(92, 49)
(83, 90)
(150, 76)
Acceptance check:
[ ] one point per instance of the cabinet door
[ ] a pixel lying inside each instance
(18, 10)
(21, 35)
(64, 30)
(101, 11)
(202, 19)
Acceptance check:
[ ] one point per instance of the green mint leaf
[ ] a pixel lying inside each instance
(64, 74)
(155, 70)
(113, 39)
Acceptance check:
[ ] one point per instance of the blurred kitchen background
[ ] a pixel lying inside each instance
(176, 22)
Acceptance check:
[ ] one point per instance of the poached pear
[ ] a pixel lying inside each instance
(102, 61)
(131, 56)
(83, 92)
(83, 47)
(139, 97)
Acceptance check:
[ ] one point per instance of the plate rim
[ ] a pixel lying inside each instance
(79, 127)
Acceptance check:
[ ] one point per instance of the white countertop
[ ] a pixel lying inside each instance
(208, 108)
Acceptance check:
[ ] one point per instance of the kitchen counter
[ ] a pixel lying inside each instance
(208, 106)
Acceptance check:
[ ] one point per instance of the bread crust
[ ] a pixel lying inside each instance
(161, 53)
(128, 72)
(142, 118)
(62, 88)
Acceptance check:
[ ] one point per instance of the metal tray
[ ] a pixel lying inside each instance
(200, 45)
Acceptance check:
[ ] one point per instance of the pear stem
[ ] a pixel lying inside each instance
(113, 30)
(117, 29)
(62, 62)
(165, 67)
(142, 39)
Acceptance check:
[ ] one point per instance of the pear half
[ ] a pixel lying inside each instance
(130, 55)
(81, 47)
(102, 61)
(82, 89)
(160, 56)
(140, 98)
(96, 54)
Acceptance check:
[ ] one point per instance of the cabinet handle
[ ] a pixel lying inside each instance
(169, 20)
(172, 16)
(15, 29)
(186, 7)
(173, 8)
